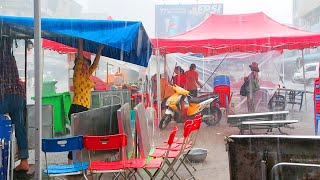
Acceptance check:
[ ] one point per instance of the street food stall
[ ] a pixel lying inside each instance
(128, 43)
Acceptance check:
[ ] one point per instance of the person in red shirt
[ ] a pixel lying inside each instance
(180, 78)
(192, 80)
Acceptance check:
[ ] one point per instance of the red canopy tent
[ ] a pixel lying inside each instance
(255, 32)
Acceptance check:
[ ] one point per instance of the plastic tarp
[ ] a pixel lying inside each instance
(255, 32)
(236, 66)
(124, 40)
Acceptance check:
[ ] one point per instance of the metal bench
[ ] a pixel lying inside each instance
(237, 120)
(269, 125)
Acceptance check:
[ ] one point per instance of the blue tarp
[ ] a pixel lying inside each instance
(123, 40)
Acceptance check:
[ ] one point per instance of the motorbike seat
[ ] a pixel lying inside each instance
(201, 99)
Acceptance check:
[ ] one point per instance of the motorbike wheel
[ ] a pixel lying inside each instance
(165, 120)
(211, 116)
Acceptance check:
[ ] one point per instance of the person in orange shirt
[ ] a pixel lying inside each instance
(166, 91)
(82, 83)
(192, 80)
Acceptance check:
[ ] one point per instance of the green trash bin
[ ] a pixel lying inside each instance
(49, 88)
(66, 105)
(61, 103)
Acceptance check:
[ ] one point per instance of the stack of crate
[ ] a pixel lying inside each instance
(316, 104)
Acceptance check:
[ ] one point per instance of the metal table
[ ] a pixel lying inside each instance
(293, 96)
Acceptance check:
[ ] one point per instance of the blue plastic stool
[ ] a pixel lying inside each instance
(221, 80)
(317, 123)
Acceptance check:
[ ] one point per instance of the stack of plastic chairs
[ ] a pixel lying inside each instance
(221, 86)
(317, 104)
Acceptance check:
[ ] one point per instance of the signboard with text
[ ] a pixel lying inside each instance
(176, 19)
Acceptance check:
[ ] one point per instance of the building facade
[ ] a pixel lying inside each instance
(49, 8)
(306, 16)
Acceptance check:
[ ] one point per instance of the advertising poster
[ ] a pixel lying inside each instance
(176, 19)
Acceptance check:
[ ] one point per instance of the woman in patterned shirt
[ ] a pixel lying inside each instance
(82, 83)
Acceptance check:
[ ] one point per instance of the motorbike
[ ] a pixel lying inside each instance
(211, 114)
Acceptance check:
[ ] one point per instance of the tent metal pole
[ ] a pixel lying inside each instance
(38, 65)
(304, 80)
(107, 73)
(158, 85)
(165, 65)
(282, 70)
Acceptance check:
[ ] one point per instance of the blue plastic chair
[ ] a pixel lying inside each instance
(56, 145)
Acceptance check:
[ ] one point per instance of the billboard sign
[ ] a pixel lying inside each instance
(176, 19)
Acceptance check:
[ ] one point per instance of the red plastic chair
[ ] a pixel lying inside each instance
(188, 144)
(175, 155)
(104, 143)
(155, 163)
(180, 140)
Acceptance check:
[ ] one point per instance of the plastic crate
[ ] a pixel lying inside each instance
(317, 81)
(317, 108)
(317, 89)
(317, 119)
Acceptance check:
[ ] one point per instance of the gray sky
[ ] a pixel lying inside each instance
(143, 10)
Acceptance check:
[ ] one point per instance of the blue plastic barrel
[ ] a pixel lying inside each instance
(221, 80)
(5, 128)
(5, 132)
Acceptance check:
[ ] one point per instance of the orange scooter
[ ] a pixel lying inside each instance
(211, 114)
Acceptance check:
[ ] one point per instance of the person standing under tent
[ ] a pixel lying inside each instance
(180, 77)
(166, 90)
(252, 86)
(192, 80)
(180, 80)
(82, 83)
(13, 100)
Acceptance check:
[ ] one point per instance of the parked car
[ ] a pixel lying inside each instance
(311, 72)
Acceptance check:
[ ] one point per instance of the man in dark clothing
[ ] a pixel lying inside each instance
(13, 100)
